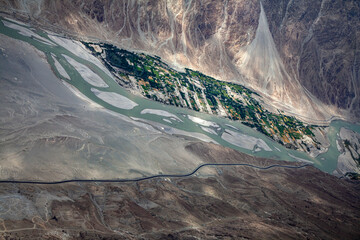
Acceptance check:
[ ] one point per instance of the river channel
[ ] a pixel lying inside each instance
(326, 162)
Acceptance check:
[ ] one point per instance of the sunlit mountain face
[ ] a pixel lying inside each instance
(179, 119)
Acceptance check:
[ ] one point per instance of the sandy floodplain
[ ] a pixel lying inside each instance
(209, 130)
(50, 132)
(244, 141)
(161, 113)
(115, 99)
(27, 32)
(299, 159)
(203, 122)
(86, 73)
(79, 50)
(60, 68)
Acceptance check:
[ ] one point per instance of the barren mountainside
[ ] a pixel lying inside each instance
(302, 55)
(232, 203)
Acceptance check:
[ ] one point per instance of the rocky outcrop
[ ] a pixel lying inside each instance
(319, 44)
(348, 144)
(302, 55)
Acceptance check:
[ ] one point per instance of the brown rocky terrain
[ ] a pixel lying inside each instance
(230, 203)
(302, 55)
(320, 46)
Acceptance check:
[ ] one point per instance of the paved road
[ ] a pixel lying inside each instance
(154, 176)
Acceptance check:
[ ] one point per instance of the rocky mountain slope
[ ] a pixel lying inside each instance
(319, 44)
(348, 144)
(230, 203)
(302, 55)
